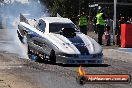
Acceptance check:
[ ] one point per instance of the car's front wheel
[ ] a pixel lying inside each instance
(52, 57)
(33, 56)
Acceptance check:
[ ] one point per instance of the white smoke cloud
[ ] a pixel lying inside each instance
(23, 1)
(11, 10)
(9, 16)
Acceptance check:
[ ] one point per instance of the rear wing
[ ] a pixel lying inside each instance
(23, 19)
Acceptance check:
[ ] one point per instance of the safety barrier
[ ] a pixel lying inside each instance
(126, 35)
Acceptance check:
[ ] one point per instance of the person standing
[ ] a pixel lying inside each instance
(100, 23)
(83, 22)
(118, 31)
(107, 37)
(107, 32)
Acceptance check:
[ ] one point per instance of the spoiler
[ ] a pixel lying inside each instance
(23, 19)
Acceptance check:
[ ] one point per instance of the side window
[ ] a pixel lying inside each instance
(41, 25)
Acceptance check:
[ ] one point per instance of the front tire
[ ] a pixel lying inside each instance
(33, 56)
(52, 57)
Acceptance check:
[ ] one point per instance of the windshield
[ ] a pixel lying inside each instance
(56, 27)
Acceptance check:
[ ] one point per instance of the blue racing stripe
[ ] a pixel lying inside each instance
(80, 45)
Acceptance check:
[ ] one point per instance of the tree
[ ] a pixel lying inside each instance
(57, 7)
(72, 8)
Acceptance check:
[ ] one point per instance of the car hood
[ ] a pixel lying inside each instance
(80, 44)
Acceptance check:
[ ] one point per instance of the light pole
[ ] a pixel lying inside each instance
(79, 7)
(114, 25)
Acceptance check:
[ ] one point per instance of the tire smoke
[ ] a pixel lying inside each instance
(10, 11)
(9, 18)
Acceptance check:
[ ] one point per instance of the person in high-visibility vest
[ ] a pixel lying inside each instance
(100, 23)
(83, 22)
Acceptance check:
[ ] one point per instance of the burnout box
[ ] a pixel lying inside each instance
(126, 35)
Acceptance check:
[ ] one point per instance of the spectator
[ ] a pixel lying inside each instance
(129, 20)
(118, 31)
(107, 32)
(107, 37)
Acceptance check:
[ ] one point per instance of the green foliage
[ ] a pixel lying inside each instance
(57, 7)
(72, 8)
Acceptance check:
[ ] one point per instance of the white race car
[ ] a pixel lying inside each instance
(58, 40)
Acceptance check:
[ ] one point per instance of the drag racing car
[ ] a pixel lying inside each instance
(59, 40)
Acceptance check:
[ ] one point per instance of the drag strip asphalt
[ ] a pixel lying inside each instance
(39, 75)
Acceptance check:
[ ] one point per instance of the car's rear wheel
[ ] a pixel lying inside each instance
(52, 57)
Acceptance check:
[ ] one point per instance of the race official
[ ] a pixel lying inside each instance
(100, 23)
(83, 22)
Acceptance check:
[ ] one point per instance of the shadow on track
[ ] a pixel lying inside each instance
(83, 65)
(75, 65)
